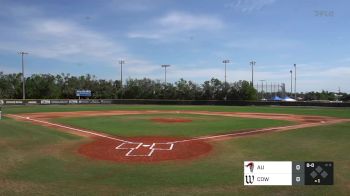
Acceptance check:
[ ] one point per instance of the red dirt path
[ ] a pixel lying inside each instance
(104, 149)
(152, 149)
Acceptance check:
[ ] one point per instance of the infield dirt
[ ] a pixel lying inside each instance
(155, 149)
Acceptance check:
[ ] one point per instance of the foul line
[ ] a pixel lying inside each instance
(284, 128)
(71, 128)
(248, 132)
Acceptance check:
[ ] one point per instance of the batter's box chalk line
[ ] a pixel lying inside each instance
(143, 149)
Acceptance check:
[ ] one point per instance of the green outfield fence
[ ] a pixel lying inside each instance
(168, 102)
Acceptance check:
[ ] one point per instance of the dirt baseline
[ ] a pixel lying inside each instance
(154, 149)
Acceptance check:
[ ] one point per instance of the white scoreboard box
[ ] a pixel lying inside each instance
(267, 173)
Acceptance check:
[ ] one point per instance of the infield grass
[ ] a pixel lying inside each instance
(142, 125)
(36, 160)
(43, 161)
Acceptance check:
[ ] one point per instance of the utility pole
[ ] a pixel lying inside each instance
(165, 66)
(225, 62)
(23, 78)
(291, 82)
(295, 81)
(252, 63)
(121, 62)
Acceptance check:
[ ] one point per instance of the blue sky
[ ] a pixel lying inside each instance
(193, 36)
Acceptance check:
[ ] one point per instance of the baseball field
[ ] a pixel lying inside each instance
(165, 150)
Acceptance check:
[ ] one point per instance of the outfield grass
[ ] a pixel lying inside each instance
(39, 170)
(323, 111)
(142, 125)
(36, 160)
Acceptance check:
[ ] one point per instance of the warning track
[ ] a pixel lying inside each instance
(150, 149)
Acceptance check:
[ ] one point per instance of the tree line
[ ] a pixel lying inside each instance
(64, 86)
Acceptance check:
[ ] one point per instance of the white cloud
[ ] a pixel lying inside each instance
(60, 39)
(145, 35)
(247, 6)
(177, 23)
(66, 41)
(132, 5)
(140, 68)
(183, 21)
(344, 60)
(336, 72)
(33, 31)
(9, 9)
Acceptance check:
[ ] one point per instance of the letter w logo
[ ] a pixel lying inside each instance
(249, 179)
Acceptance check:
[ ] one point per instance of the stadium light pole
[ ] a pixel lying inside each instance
(23, 78)
(165, 67)
(295, 81)
(121, 62)
(291, 82)
(252, 63)
(225, 62)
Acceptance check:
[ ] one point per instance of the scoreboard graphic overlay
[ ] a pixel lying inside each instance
(288, 173)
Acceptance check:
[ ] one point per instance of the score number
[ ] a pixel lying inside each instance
(310, 164)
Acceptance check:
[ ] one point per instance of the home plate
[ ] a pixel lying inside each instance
(140, 149)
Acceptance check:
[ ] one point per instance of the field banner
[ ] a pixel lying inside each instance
(14, 102)
(95, 101)
(73, 101)
(45, 102)
(106, 101)
(32, 102)
(59, 101)
(84, 101)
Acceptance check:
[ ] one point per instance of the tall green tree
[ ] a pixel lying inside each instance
(64, 86)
